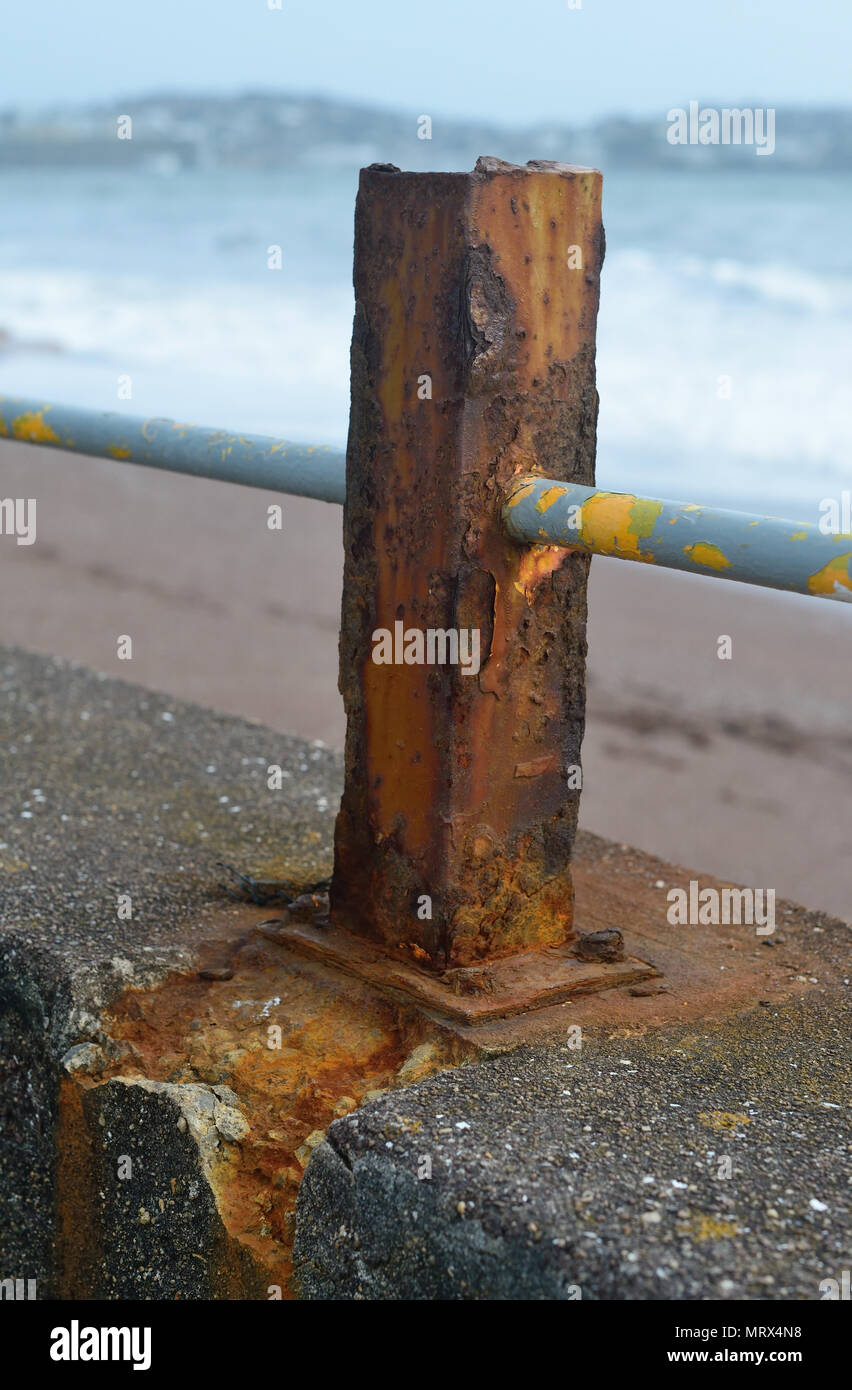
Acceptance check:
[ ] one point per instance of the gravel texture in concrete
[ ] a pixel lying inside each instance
(690, 1163)
(110, 791)
(660, 1159)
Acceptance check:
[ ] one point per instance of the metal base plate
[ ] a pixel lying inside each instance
(477, 994)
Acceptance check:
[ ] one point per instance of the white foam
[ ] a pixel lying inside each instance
(275, 359)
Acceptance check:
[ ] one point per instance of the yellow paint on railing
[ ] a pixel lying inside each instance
(548, 498)
(832, 577)
(32, 426)
(615, 522)
(521, 493)
(709, 555)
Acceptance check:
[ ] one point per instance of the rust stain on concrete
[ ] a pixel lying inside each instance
(336, 1044)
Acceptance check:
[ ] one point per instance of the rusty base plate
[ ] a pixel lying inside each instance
(478, 994)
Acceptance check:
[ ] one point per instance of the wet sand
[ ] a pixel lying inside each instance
(742, 768)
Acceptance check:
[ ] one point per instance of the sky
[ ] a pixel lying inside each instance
(504, 61)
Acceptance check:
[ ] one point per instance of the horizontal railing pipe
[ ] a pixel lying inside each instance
(765, 550)
(254, 460)
(750, 548)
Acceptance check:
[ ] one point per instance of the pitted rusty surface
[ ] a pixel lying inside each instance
(457, 787)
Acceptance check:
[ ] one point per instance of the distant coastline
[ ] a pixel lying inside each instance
(267, 130)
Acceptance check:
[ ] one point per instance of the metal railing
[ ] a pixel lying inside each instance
(254, 460)
(473, 357)
(742, 546)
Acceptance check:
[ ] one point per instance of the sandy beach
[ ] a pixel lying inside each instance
(741, 768)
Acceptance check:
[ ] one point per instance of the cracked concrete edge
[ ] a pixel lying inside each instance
(368, 1230)
(50, 1031)
(71, 1221)
(114, 1187)
(541, 1175)
(141, 1170)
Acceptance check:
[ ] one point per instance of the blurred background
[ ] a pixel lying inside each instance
(134, 276)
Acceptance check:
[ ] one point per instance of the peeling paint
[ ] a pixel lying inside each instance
(520, 494)
(548, 498)
(251, 460)
(834, 579)
(710, 555)
(613, 523)
(644, 515)
(32, 426)
(764, 550)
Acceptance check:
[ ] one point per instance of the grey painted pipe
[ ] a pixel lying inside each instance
(762, 550)
(255, 460)
(680, 535)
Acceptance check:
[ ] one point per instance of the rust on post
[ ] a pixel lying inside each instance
(472, 362)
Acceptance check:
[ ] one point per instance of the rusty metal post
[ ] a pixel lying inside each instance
(473, 360)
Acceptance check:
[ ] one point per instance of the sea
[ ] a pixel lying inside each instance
(724, 338)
